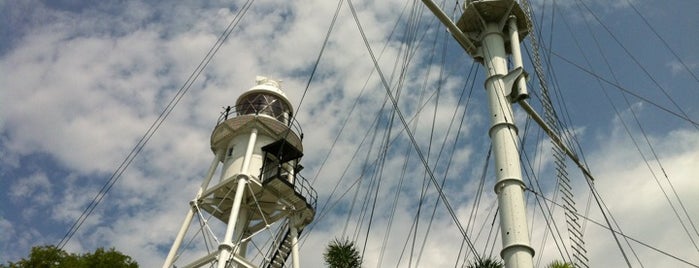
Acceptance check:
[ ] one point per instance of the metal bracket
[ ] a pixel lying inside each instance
(504, 19)
(520, 89)
(510, 80)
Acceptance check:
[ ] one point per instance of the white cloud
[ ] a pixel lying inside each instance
(677, 67)
(87, 82)
(640, 208)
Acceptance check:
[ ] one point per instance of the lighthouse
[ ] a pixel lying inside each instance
(260, 193)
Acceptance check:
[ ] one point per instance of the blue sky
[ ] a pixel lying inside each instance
(82, 81)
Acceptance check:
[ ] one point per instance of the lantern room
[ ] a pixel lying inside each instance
(265, 99)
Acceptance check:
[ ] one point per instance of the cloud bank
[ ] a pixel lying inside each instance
(81, 83)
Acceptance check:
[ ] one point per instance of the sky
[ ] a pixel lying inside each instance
(81, 82)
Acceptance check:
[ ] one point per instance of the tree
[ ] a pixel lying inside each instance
(108, 258)
(52, 257)
(342, 254)
(560, 264)
(485, 263)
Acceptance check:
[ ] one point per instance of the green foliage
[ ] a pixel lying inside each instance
(485, 263)
(108, 258)
(560, 264)
(342, 254)
(53, 257)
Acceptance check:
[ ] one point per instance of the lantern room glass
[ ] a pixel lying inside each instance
(264, 104)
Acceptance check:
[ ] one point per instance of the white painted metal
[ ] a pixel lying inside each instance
(509, 187)
(458, 34)
(235, 163)
(482, 26)
(261, 117)
(226, 246)
(190, 213)
(245, 169)
(212, 256)
(203, 260)
(240, 229)
(294, 232)
(210, 173)
(521, 92)
(555, 138)
(178, 239)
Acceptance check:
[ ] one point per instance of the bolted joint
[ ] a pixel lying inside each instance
(225, 246)
(296, 220)
(502, 183)
(243, 178)
(517, 246)
(506, 124)
(509, 83)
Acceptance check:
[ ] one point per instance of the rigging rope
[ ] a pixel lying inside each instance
(414, 20)
(625, 90)
(116, 175)
(377, 177)
(429, 150)
(677, 57)
(657, 84)
(444, 143)
(327, 208)
(589, 178)
(410, 48)
(605, 226)
(628, 131)
(315, 66)
(514, 137)
(412, 139)
(546, 211)
(414, 226)
(564, 184)
(647, 141)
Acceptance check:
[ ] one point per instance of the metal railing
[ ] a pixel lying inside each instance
(303, 187)
(300, 184)
(247, 109)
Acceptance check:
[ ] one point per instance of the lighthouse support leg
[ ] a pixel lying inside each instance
(190, 214)
(294, 232)
(509, 187)
(226, 247)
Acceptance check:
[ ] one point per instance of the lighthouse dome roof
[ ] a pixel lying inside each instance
(268, 86)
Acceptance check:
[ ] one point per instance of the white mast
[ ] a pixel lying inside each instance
(484, 30)
(490, 25)
(259, 155)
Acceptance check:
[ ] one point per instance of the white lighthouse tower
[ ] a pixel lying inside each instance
(257, 145)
